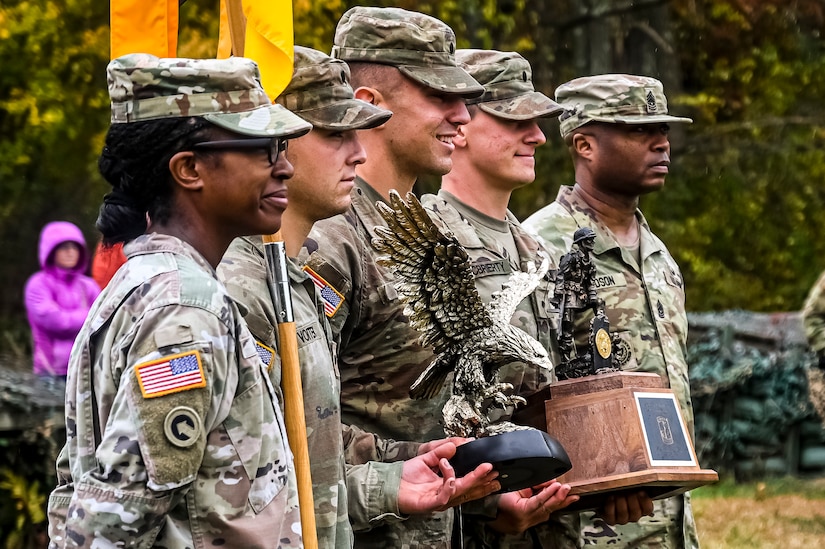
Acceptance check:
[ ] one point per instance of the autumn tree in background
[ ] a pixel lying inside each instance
(54, 113)
(741, 209)
(52, 93)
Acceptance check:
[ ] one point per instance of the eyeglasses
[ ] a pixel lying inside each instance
(273, 145)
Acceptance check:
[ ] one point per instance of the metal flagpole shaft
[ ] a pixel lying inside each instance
(278, 275)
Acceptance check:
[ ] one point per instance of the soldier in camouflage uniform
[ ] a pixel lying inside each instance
(616, 127)
(379, 492)
(494, 155)
(404, 62)
(813, 318)
(175, 435)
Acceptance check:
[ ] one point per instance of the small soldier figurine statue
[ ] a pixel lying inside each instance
(575, 292)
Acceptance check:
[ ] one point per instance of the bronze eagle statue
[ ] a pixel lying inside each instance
(472, 340)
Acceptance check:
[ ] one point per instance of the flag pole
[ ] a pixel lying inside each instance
(278, 275)
(237, 25)
(278, 282)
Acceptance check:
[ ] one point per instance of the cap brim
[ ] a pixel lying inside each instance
(641, 119)
(346, 114)
(452, 80)
(266, 121)
(523, 107)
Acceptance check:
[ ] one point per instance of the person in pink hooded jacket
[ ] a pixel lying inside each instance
(59, 296)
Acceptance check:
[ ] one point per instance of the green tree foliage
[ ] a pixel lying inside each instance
(52, 114)
(741, 207)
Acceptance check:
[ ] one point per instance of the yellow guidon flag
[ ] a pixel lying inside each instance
(143, 26)
(151, 26)
(270, 42)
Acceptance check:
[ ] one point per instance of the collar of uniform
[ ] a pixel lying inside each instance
(528, 246)
(295, 269)
(605, 240)
(450, 218)
(475, 216)
(364, 198)
(648, 242)
(585, 217)
(155, 242)
(445, 205)
(294, 266)
(303, 256)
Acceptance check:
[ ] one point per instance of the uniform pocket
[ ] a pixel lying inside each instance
(257, 435)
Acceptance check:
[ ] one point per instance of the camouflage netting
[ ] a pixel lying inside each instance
(21, 392)
(31, 433)
(749, 381)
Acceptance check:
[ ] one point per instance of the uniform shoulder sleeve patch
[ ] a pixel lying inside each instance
(171, 374)
(266, 354)
(333, 299)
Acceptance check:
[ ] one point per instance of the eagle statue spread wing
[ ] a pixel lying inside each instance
(472, 340)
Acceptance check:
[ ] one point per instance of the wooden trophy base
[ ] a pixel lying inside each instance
(623, 432)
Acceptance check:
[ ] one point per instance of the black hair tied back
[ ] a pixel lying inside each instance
(117, 198)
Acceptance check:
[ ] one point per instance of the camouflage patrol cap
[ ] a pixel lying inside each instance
(226, 92)
(612, 98)
(320, 94)
(508, 85)
(420, 46)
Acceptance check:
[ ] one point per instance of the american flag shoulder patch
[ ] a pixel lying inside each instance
(332, 298)
(171, 374)
(266, 354)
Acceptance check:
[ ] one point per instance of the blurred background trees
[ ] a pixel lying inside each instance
(741, 210)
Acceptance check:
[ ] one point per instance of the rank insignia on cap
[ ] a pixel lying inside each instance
(650, 99)
(332, 297)
(171, 374)
(266, 354)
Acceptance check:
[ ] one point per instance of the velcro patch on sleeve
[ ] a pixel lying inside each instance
(171, 374)
(333, 299)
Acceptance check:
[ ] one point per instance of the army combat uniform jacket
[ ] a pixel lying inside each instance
(243, 269)
(175, 435)
(645, 306)
(813, 317)
(486, 241)
(379, 356)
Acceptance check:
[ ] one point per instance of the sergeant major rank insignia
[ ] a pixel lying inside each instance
(650, 99)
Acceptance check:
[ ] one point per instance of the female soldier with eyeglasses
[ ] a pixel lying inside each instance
(175, 436)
